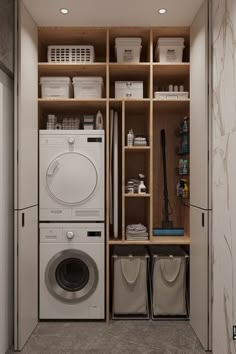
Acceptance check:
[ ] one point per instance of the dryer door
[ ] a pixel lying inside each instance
(71, 275)
(71, 178)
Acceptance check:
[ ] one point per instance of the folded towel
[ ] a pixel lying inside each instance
(136, 228)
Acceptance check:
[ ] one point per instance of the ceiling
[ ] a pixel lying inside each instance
(105, 13)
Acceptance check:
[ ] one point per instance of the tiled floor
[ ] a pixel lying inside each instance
(125, 337)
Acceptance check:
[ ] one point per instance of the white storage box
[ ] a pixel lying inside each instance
(70, 54)
(130, 282)
(128, 89)
(166, 95)
(55, 87)
(128, 50)
(169, 50)
(88, 87)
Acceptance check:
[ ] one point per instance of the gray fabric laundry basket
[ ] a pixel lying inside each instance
(169, 266)
(130, 282)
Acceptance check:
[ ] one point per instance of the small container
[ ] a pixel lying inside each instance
(130, 187)
(142, 189)
(55, 87)
(181, 88)
(130, 138)
(99, 121)
(181, 165)
(185, 125)
(185, 167)
(128, 89)
(128, 49)
(88, 87)
(176, 88)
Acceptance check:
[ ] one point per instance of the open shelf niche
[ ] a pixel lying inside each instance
(145, 116)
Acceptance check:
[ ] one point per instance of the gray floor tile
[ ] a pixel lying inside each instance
(117, 337)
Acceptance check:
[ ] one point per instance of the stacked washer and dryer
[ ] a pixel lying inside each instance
(72, 242)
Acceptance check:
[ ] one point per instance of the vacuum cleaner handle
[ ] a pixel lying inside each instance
(163, 144)
(163, 137)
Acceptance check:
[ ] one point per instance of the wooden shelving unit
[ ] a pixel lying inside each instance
(146, 116)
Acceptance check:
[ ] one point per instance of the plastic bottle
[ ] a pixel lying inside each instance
(185, 190)
(185, 125)
(181, 165)
(130, 138)
(185, 167)
(99, 121)
(184, 148)
(142, 189)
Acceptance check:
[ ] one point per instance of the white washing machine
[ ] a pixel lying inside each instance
(71, 175)
(72, 270)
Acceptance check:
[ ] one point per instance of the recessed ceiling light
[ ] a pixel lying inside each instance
(64, 11)
(162, 11)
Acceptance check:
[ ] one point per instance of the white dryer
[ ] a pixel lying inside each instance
(72, 271)
(71, 175)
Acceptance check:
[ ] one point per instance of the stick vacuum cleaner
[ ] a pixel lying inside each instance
(167, 228)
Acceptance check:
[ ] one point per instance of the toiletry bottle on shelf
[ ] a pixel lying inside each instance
(99, 121)
(184, 147)
(185, 190)
(181, 165)
(185, 167)
(130, 138)
(142, 189)
(185, 125)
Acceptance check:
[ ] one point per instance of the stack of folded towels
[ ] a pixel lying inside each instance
(136, 232)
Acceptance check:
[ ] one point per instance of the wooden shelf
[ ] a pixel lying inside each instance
(136, 195)
(137, 148)
(71, 103)
(171, 240)
(52, 69)
(127, 242)
(156, 240)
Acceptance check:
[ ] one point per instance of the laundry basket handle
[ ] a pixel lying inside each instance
(175, 275)
(124, 272)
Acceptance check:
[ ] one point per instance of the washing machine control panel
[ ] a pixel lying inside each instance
(70, 235)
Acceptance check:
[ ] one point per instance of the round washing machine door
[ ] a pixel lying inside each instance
(71, 275)
(71, 178)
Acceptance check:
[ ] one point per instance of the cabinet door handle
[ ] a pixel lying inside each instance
(23, 219)
(203, 219)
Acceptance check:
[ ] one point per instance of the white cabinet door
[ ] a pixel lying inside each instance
(26, 275)
(199, 122)
(26, 117)
(26, 180)
(199, 275)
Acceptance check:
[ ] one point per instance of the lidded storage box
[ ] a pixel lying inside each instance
(169, 50)
(128, 49)
(130, 281)
(167, 95)
(71, 54)
(88, 87)
(55, 87)
(168, 281)
(128, 89)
